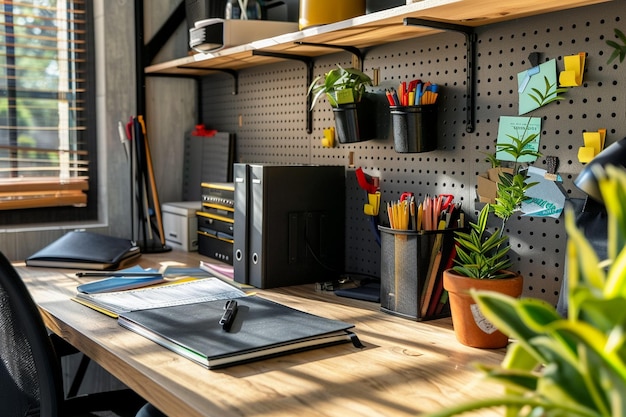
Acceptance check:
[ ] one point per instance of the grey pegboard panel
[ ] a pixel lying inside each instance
(272, 105)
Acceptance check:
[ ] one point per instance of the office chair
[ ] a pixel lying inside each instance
(31, 384)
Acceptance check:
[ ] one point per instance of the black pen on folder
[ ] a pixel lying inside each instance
(230, 311)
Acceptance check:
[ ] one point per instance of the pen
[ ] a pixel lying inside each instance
(230, 311)
(118, 274)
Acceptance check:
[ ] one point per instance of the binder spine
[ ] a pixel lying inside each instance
(256, 222)
(240, 227)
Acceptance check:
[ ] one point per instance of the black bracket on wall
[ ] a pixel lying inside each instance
(229, 71)
(470, 41)
(352, 49)
(309, 79)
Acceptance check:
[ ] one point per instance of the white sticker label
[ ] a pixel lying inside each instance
(480, 320)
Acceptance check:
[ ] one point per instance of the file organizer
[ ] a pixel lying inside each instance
(414, 128)
(405, 272)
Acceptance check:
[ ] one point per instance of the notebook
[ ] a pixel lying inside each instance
(261, 328)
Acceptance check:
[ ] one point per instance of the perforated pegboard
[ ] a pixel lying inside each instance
(268, 115)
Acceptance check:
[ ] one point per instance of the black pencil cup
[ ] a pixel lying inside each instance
(414, 128)
(411, 271)
(355, 122)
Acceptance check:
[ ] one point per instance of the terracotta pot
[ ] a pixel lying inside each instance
(470, 326)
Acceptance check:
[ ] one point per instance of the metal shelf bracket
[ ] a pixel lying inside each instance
(309, 79)
(470, 41)
(229, 71)
(358, 54)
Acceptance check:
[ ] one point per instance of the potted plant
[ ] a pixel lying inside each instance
(567, 366)
(482, 260)
(345, 90)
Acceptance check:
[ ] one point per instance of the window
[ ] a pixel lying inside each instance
(47, 127)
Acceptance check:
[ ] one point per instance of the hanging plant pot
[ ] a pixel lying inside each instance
(470, 326)
(354, 122)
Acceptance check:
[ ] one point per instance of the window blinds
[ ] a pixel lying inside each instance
(43, 156)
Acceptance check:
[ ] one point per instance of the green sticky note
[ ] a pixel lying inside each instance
(520, 128)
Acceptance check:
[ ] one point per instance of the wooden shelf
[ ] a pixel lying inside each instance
(364, 32)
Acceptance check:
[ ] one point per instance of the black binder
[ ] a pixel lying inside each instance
(293, 217)
(240, 226)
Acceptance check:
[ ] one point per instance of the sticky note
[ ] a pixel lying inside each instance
(592, 140)
(602, 133)
(329, 138)
(568, 79)
(572, 76)
(585, 154)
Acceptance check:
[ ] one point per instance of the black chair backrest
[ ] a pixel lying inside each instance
(30, 375)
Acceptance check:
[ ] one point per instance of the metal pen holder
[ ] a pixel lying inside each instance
(409, 261)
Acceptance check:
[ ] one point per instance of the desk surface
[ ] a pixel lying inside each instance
(405, 368)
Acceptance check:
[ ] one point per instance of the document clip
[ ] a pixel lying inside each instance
(230, 311)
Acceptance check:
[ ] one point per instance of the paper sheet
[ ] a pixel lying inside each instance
(520, 128)
(546, 198)
(539, 87)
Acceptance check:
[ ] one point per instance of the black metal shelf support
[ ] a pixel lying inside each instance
(229, 71)
(352, 49)
(309, 79)
(470, 41)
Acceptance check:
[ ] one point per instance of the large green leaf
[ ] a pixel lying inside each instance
(574, 366)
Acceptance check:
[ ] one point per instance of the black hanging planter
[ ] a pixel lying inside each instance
(355, 122)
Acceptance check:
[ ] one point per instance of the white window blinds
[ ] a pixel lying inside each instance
(43, 155)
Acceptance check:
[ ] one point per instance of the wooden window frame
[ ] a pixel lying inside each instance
(71, 200)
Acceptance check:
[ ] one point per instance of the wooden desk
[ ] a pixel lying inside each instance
(406, 367)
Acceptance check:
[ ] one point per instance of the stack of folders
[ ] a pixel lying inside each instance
(216, 221)
(260, 329)
(137, 277)
(113, 303)
(187, 317)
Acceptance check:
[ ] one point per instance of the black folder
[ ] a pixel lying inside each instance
(86, 250)
(261, 328)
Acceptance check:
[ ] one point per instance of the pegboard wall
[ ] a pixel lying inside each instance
(268, 116)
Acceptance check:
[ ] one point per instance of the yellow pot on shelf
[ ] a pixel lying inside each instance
(321, 12)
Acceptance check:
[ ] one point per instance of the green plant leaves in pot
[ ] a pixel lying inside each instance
(340, 85)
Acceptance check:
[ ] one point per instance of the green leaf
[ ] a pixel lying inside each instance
(619, 51)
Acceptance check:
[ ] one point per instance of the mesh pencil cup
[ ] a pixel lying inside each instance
(411, 270)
